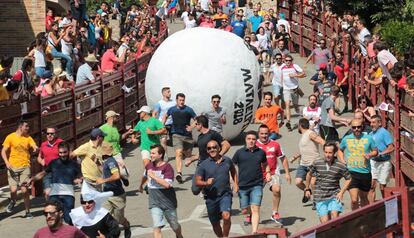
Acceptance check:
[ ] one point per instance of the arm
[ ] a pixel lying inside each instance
(345, 186)
(285, 164)
(233, 174)
(114, 177)
(4, 152)
(225, 146)
(390, 148)
(336, 118)
(317, 138)
(371, 154)
(40, 159)
(200, 183)
(157, 132)
(159, 180)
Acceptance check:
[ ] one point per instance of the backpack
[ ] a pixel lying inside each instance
(23, 92)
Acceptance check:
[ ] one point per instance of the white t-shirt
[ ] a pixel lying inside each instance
(190, 24)
(39, 58)
(67, 47)
(122, 49)
(184, 16)
(204, 5)
(361, 37)
(290, 82)
(384, 57)
(277, 74)
(263, 41)
(162, 107)
(310, 113)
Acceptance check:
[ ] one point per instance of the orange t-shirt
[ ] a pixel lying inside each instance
(269, 114)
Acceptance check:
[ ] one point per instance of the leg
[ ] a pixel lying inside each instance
(371, 193)
(363, 197)
(324, 218)
(157, 232)
(334, 214)
(178, 160)
(353, 193)
(276, 197)
(13, 192)
(26, 196)
(217, 229)
(287, 110)
(172, 218)
(158, 221)
(226, 223)
(255, 217)
(300, 184)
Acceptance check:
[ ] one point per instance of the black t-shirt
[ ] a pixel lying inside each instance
(284, 36)
(250, 166)
(203, 140)
(111, 166)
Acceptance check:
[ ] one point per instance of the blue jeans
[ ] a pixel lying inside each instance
(216, 206)
(69, 61)
(40, 71)
(68, 203)
(251, 196)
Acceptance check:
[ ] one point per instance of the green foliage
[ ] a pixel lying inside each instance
(398, 34)
(93, 5)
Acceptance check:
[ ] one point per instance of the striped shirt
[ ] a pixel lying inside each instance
(327, 178)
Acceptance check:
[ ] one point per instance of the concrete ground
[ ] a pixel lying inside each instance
(191, 209)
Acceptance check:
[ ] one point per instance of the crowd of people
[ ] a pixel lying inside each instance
(361, 157)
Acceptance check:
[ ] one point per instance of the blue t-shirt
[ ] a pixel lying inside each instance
(220, 172)
(239, 27)
(181, 119)
(110, 166)
(383, 139)
(255, 20)
(355, 149)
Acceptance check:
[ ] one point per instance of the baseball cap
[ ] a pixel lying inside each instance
(97, 132)
(110, 113)
(146, 109)
(322, 66)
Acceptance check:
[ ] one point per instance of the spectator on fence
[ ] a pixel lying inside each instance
(16, 151)
(359, 148)
(386, 60)
(53, 212)
(85, 74)
(109, 59)
(362, 33)
(375, 76)
(54, 39)
(397, 73)
(47, 153)
(328, 194)
(39, 56)
(21, 84)
(4, 94)
(365, 106)
(380, 165)
(370, 45)
(45, 87)
(341, 69)
(239, 26)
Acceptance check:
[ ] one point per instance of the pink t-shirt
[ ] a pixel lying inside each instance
(65, 231)
(108, 60)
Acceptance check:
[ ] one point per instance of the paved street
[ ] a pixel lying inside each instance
(191, 209)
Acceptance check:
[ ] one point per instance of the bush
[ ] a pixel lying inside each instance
(399, 35)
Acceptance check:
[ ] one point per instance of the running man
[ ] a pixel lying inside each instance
(217, 115)
(273, 153)
(267, 115)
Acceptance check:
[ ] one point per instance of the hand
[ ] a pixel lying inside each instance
(188, 162)
(77, 181)
(8, 166)
(367, 156)
(288, 178)
(149, 132)
(151, 174)
(339, 196)
(210, 181)
(268, 177)
(93, 158)
(99, 181)
(292, 75)
(189, 128)
(100, 235)
(130, 131)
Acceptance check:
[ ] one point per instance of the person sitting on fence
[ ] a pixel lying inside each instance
(84, 74)
(45, 87)
(385, 59)
(4, 94)
(39, 56)
(109, 59)
(374, 76)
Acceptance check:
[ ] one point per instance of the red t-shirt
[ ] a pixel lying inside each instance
(273, 152)
(49, 151)
(65, 231)
(49, 21)
(108, 60)
(340, 71)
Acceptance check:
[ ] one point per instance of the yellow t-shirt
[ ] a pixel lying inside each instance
(19, 147)
(90, 169)
(4, 95)
(378, 73)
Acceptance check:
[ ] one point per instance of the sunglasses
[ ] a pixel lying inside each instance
(49, 213)
(87, 202)
(363, 102)
(288, 60)
(209, 148)
(216, 101)
(278, 58)
(50, 133)
(356, 127)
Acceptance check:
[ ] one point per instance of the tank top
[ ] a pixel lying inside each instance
(39, 58)
(67, 47)
(309, 149)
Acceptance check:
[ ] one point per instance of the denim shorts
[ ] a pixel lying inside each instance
(251, 196)
(218, 205)
(277, 90)
(323, 208)
(301, 172)
(161, 217)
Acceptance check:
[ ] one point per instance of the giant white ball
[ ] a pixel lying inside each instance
(201, 62)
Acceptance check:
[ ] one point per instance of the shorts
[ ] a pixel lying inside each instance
(291, 95)
(251, 196)
(302, 171)
(361, 181)
(274, 180)
(18, 176)
(380, 171)
(323, 208)
(182, 142)
(116, 206)
(216, 206)
(145, 154)
(161, 217)
(277, 90)
(329, 133)
(47, 180)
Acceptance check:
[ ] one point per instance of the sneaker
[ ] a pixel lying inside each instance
(127, 232)
(28, 215)
(247, 220)
(313, 206)
(179, 178)
(10, 206)
(305, 199)
(276, 218)
(288, 126)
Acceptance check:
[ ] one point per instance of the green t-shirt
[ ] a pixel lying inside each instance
(112, 136)
(147, 140)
